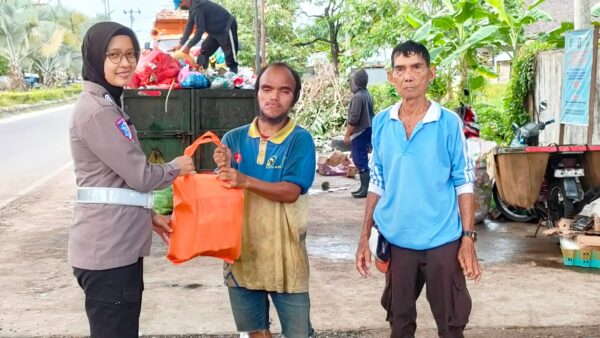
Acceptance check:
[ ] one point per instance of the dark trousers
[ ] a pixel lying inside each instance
(113, 299)
(360, 150)
(446, 290)
(228, 43)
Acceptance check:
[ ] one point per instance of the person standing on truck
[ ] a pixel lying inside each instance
(221, 27)
(113, 218)
(273, 160)
(421, 200)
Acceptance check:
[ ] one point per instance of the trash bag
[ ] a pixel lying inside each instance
(192, 79)
(477, 150)
(155, 68)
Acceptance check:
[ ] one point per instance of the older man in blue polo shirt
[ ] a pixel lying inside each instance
(421, 200)
(273, 159)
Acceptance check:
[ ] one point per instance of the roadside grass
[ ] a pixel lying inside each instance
(15, 98)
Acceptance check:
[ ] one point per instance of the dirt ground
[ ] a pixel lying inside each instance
(525, 290)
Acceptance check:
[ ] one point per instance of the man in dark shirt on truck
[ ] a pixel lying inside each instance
(221, 27)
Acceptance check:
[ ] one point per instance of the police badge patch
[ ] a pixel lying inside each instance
(124, 128)
(108, 98)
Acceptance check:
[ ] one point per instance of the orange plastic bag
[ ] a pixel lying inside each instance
(207, 216)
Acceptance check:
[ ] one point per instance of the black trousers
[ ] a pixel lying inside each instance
(447, 293)
(113, 299)
(228, 41)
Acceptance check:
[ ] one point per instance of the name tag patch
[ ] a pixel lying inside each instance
(124, 128)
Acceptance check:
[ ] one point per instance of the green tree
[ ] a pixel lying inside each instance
(512, 18)
(324, 33)
(17, 22)
(280, 33)
(3, 66)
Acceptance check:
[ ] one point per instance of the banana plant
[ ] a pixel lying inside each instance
(512, 17)
(454, 37)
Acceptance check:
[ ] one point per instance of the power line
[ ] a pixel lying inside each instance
(131, 17)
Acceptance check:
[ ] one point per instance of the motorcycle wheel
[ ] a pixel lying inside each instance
(558, 205)
(513, 214)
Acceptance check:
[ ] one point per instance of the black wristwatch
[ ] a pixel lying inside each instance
(471, 234)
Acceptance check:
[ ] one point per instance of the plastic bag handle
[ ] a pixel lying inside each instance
(208, 137)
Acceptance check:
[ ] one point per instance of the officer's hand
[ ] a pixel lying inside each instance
(222, 156)
(176, 47)
(467, 257)
(363, 256)
(160, 225)
(235, 178)
(186, 164)
(347, 140)
(186, 49)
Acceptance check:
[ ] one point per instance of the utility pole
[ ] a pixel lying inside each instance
(131, 13)
(582, 17)
(263, 35)
(106, 8)
(257, 62)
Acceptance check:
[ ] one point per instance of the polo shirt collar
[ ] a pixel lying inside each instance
(277, 138)
(432, 114)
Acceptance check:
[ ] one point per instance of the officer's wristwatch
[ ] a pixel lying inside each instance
(470, 234)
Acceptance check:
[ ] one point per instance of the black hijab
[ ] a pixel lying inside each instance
(93, 52)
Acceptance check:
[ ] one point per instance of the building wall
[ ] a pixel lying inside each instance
(548, 86)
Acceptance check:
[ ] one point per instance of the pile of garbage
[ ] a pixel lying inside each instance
(159, 70)
(580, 237)
(336, 163)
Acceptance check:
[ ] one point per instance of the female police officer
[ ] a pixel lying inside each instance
(112, 225)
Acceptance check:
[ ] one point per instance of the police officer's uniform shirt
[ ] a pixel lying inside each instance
(106, 153)
(274, 254)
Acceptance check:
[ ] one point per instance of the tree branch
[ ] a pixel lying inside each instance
(302, 44)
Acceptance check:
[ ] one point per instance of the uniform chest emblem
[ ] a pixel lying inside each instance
(272, 163)
(108, 98)
(124, 128)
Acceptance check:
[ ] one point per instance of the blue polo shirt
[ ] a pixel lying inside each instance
(288, 156)
(419, 179)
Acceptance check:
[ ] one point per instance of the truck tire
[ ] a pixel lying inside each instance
(513, 214)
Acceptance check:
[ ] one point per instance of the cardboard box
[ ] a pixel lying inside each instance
(564, 223)
(335, 158)
(351, 171)
(585, 241)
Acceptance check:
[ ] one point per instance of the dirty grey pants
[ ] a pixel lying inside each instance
(446, 290)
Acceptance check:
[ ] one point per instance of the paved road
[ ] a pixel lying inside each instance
(33, 148)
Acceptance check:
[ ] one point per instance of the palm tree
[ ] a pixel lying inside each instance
(17, 22)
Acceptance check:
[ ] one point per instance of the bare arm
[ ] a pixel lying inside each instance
(467, 257)
(363, 253)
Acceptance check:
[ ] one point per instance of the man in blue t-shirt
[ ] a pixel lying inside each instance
(273, 160)
(421, 201)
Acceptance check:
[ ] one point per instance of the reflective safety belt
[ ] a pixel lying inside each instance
(115, 196)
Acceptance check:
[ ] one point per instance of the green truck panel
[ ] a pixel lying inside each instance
(167, 131)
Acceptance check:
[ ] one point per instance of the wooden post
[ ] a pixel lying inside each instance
(263, 34)
(590, 130)
(257, 38)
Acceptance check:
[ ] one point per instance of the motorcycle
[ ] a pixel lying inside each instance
(561, 194)
(469, 118)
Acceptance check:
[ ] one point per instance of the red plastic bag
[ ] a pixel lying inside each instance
(155, 68)
(207, 216)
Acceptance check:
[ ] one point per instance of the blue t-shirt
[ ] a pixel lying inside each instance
(288, 156)
(419, 178)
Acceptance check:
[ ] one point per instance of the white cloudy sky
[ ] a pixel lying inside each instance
(142, 23)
